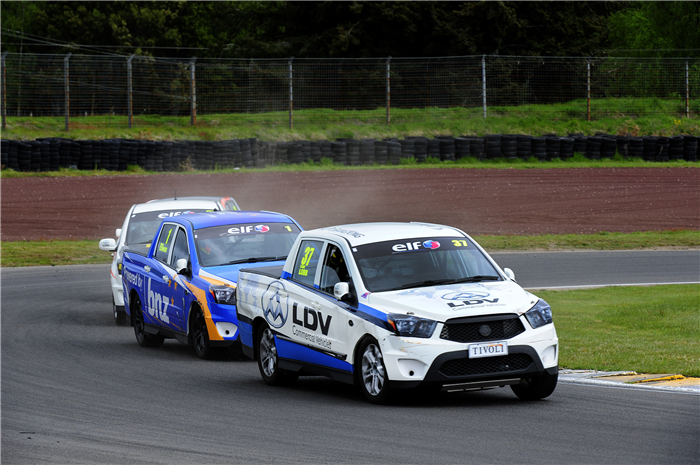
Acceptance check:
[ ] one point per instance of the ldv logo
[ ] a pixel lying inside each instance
(312, 319)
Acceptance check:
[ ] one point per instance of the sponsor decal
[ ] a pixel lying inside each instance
(348, 232)
(157, 304)
(274, 304)
(364, 296)
(465, 299)
(417, 245)
(261, 228)
(241, 230)
(171, 214)
(312, 320)
(133, 279)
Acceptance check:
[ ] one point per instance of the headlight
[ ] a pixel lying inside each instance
(223, 294)
(539, 315)
(412, 326)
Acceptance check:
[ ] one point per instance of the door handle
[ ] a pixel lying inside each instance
(283, 293)
(147, 268)
(316, 305)
(166, 279)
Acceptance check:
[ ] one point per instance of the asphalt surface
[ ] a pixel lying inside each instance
(77, 389)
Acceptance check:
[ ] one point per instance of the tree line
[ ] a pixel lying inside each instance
(351, 29)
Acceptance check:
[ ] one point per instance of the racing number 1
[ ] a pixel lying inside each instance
(163, 245)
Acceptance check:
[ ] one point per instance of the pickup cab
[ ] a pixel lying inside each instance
(387, 306)
(183, 287)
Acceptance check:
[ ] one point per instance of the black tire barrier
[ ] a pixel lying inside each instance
(523, 146)
(509, 146)
(539, 148)
(690, 148)
(52, 154)
(566, 149)
(493, 146)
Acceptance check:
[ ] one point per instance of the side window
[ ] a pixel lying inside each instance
(307, 262)
(334, 269)
(165, 242)
(180, 249)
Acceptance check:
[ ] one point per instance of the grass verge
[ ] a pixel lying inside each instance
(84, 252)
(648, 329)
(326, 164)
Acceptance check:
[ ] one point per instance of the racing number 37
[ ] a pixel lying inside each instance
(308, 253)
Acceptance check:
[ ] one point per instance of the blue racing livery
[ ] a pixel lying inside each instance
(184, 287)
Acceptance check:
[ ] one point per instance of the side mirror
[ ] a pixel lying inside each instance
(509, 274)
(118, 233)
(108, 245)
(341, 290)
(181, 266)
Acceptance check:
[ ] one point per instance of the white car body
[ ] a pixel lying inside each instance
(161, 208)
(319, 331)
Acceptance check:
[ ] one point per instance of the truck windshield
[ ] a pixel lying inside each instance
(143, 226)
(404, 264)
(244, 243)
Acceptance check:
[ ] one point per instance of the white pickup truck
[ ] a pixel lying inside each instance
(396, 305)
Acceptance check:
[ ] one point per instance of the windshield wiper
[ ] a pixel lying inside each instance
(475, 279)
(429, 282)
(435, 282)
(256, 259)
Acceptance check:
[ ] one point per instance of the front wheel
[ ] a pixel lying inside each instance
(537, 387)
(200, 337)
(119, 315)
(268, 362)
(374, 382)
(142, 337)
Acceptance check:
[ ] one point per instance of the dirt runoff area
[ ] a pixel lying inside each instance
(479, 201)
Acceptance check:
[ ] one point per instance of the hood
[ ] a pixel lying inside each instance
(229, 273)
(442, 303)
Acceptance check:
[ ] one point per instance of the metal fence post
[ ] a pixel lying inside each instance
(388, 91)
(193, 95)
(66, 84)
(687, 90)
(588, 66)
(130, 91)
(291, 99)
(4, 93)
(483, 79)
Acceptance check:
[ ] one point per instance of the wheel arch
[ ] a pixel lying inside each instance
(356, 355)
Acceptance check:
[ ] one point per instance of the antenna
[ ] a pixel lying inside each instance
(175, 195)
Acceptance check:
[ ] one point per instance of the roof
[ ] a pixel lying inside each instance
(222, 218)
(179, 204)
(367, 233)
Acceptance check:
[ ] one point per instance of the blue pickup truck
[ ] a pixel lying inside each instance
(183, 288)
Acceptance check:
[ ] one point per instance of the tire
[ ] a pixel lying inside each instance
(119, 315)
(536, 388)
(373, 379)
(200, 337)
(144, 339)
(268, 361)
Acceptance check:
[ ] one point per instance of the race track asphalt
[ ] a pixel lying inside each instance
(77, 389)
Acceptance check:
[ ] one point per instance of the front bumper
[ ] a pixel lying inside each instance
(413, 362)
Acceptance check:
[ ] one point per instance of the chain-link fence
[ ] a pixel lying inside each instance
(126, 91)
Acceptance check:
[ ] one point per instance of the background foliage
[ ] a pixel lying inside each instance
(350, 29)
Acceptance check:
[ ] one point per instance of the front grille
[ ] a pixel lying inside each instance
(499, 329)
(486, 365)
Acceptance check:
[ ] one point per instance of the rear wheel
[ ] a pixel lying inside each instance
(537, 387)
(144, 339)
(119, 314)
(268, 362)
(374, 382)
